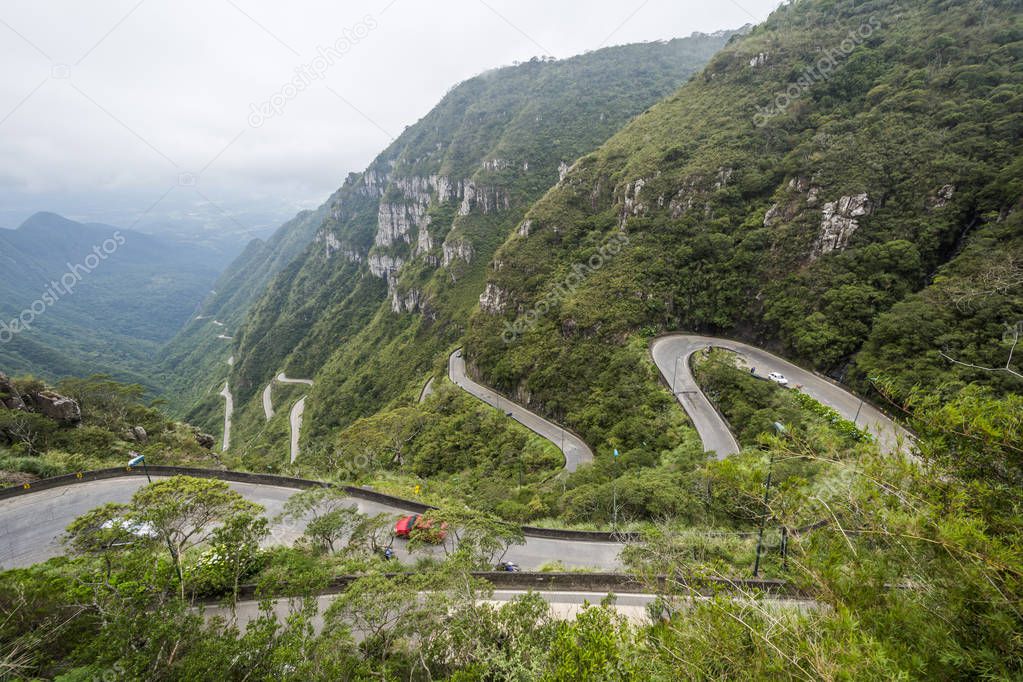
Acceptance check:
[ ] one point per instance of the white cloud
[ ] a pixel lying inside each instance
(157, 88)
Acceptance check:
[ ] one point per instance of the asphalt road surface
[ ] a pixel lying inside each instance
(575, 450)
(296, 426)
(672, 356)
(565, 605)
(296, 412)
(228, 411)
(427, 390)
(268, 403)
(31, 525)
(285, 380)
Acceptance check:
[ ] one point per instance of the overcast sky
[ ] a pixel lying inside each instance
(107, 107)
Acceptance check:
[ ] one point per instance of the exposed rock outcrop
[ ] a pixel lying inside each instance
(137, 434)
(9, 396)
(424, 242)
(494, 165)
(205, 440)
(631, 205)
(457, 249)
(407, 302)
(47, 403)
(484, 199)
(374, 182)
(55, 406)
(332, 245)
(395, 221)
(385, 267)
(685, 199)
(802, 193)
(941, 197)
(446, 191)
(723, 176)
(838, 223)
(494, 299)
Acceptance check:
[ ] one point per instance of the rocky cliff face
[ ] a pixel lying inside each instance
(806, 227)
(839, 222)
(427, 215)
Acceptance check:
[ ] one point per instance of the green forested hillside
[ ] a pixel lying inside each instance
(843, 184)
(195, 360)
(108, 425)
(399, 262)
(98, 298)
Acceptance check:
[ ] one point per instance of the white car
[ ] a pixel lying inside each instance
(778, 378)
(140, 529)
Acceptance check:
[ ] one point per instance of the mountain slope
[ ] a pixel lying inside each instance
(831, 164)
(195, 360)
(400, 259)
(97, 298)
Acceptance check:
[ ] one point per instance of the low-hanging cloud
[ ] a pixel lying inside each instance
(126, 98)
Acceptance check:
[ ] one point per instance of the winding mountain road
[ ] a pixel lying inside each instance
(31, 524)
(427, 390)
(228, 412)
(672, 355)
(565, 605)
(575, 450)
(285, 380)
(268, 405)
(295, 418)
(296, 426)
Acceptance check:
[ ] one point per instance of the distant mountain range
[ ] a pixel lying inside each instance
(82, 298)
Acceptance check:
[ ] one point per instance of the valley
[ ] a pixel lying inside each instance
(693, 358)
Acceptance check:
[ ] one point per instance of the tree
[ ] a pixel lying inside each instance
(236, 543)
(26, 429)
(597, 645)
(328, 513)
(373, 533)
(101, 397)
(331, 528)
(185, 511)
(104, 532)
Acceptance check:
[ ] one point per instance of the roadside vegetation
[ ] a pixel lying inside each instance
(34, 446)
(914, 568)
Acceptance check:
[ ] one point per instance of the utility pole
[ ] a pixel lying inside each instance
(785, 548)
(614, 489)
(767, 491)
(763, 519)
